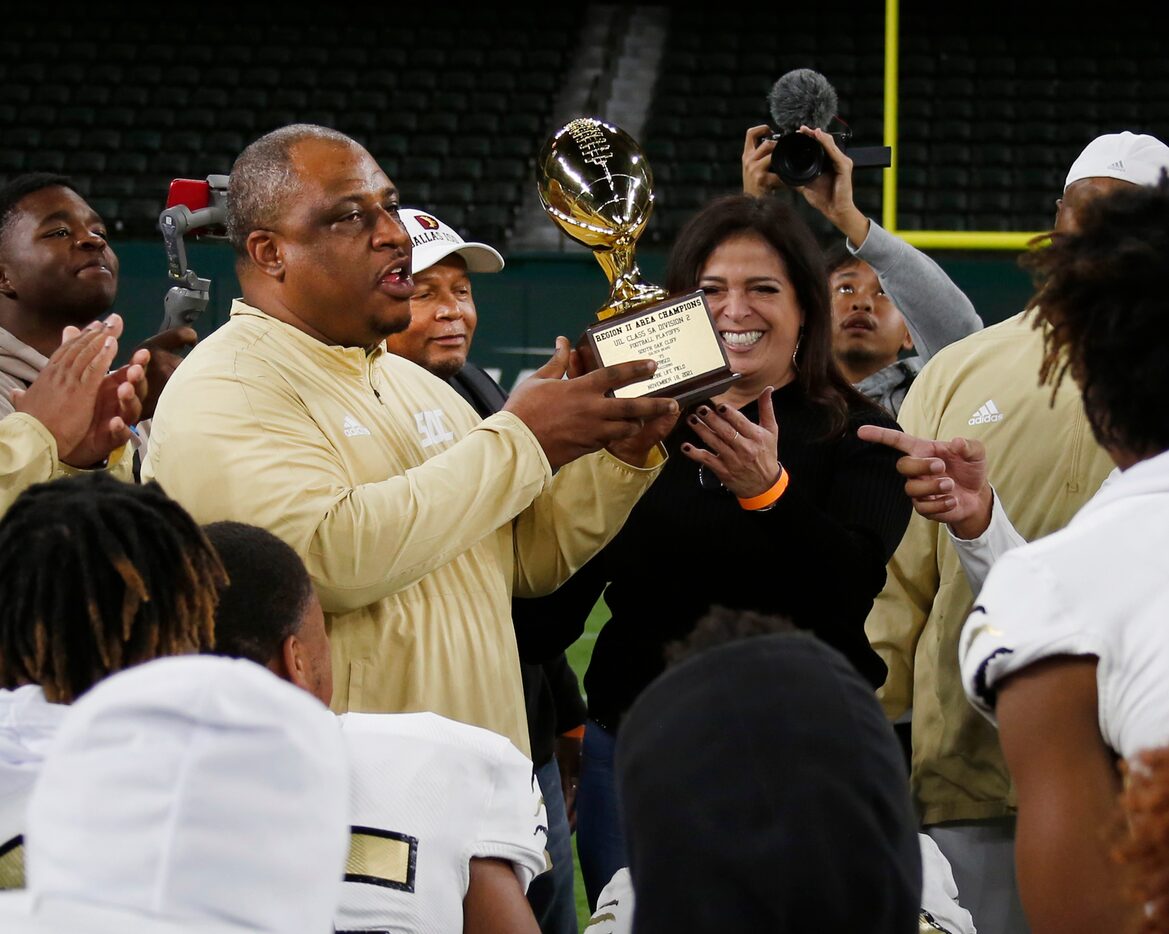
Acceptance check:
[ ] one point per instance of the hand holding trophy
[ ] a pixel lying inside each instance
(596, 184)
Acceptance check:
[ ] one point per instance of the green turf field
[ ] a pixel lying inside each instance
(578, 656)
(581, 651)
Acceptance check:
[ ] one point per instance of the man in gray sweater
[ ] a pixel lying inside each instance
(886, 296)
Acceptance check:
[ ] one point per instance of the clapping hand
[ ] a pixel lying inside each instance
(88, 410)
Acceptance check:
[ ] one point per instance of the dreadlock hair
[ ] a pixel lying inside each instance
(267, 596)
(97, 575)
(15, 191)
(1101, 301)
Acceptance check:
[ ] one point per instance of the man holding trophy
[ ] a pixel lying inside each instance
(416, 519)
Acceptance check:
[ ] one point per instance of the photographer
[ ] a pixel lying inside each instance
(886, 295)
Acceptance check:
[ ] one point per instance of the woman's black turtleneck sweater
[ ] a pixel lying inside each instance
(818, 557)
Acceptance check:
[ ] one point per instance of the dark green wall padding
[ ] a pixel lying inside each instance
(522, 308)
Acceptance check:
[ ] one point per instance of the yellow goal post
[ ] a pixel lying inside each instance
(926, 239)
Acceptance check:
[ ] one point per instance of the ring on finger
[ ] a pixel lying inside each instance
(735, 438)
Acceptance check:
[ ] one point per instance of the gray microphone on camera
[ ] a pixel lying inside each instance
(801, 98)
(804, 97)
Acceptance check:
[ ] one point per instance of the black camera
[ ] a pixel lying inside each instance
(804, 98)
(797, 159)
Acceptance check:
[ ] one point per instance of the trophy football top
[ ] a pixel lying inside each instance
(596, 184)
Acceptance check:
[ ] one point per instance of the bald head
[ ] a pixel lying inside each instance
(263, 179)
(319, 245)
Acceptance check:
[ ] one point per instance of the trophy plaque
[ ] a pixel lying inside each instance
(596, 184)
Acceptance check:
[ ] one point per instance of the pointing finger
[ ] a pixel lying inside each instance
(891, 437)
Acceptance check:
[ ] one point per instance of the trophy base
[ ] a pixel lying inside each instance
(678, 334)
(702, 389)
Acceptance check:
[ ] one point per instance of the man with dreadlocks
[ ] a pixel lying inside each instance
(1036, 448)
(1066, 647)
(95, 576)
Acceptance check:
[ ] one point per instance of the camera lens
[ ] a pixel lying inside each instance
(797, 159)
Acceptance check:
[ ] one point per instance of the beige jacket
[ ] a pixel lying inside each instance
(417, 521)
(19, 366)
(1044, 465)
(28, 455)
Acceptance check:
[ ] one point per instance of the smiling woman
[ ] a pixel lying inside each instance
(756, 312)
(768, 501)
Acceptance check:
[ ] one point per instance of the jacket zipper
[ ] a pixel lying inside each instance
(369, 378)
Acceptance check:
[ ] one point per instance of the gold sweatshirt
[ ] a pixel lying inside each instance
(28, 455)
(417, 521)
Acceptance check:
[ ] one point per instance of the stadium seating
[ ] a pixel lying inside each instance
(994, 104)
(989, 117)
(713, 84)
(128, 101)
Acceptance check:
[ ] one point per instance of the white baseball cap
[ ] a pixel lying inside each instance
(433, 241)
(194, 791)
(1130, 157)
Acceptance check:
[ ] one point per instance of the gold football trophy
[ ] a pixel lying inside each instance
(596, 184)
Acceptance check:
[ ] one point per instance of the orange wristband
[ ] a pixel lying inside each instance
(576, 733)
(769, 497)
